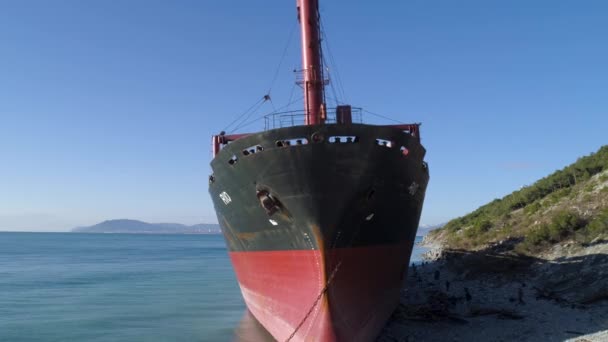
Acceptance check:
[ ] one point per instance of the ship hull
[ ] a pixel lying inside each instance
(325, 261)
(285, 290)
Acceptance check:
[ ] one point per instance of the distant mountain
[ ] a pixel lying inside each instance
(139, 227)
(426, 228)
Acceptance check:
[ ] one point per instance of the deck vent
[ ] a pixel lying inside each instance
(343, 139)
(384, 142)
(252, 150)
(291, 142)
(344, 114)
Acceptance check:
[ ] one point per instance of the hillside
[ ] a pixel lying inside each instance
(530, 266)
(568, 206)
(139, 227)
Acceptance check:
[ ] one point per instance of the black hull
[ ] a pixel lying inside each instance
(330, 194)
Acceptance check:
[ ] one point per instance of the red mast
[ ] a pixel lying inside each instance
(313, 83)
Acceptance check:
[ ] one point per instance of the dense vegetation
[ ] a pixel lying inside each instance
(570, 203)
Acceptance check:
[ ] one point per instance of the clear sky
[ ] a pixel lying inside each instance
(107, 107)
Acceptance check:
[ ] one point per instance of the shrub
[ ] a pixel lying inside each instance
(563, 224)
(589, 187)
(599, 225)
(480, 227)
(532, 208)
(538, 235)
(483, 225)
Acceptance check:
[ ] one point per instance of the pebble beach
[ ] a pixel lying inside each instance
(493, 295)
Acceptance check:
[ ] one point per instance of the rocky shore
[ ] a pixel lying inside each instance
(497, 295)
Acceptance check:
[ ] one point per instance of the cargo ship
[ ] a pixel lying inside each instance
(320, 213)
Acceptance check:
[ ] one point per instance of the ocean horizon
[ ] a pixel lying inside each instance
(122, 287)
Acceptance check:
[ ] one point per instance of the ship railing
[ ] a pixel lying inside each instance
(301, 77)
(298, 118)
(339, 115)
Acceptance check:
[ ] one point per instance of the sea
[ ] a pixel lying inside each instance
(121, 287)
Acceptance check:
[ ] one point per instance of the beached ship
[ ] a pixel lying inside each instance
(319, 216)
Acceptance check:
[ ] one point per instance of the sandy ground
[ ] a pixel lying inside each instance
(445, 301)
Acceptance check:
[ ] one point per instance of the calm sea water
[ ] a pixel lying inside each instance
(119, 287)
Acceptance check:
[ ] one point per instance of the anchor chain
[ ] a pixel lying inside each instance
(331, 277)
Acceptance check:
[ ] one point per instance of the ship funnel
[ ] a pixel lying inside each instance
(313, 81)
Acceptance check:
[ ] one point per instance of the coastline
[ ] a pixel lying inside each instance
(497, 295)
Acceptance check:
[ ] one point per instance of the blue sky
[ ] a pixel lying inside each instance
(107, 108)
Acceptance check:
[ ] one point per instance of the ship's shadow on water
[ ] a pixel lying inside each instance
(503, 296)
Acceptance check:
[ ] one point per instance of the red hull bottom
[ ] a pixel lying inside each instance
(344, 294)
